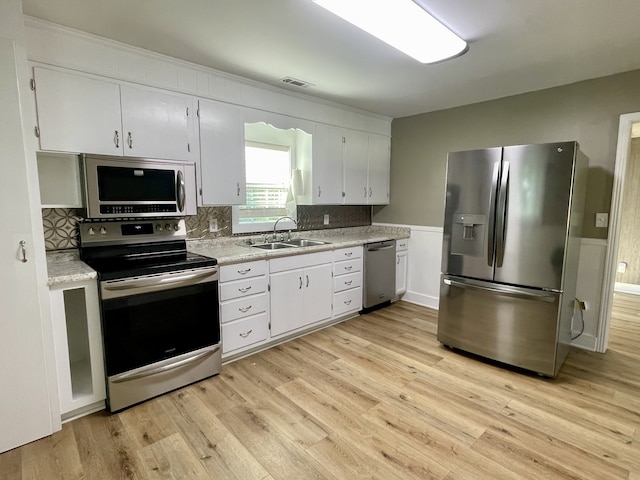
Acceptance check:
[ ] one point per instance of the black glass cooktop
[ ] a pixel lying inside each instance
(123, 261)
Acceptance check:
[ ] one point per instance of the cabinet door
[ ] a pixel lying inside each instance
(318, 291)
(154, 124)
(355, 168)
(77, 114)
(222, 153)
(379, 166)
(401, 272)
(327, 166)
(286, 301)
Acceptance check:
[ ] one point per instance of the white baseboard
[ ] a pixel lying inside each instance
(627, 288)
(584, 341)
(421, 299)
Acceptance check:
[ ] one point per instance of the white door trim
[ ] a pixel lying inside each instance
(622, 155)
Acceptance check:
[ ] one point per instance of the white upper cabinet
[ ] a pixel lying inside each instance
(154, 123)
(86, 115)
(379, 169)
(323, 183)
(78, 114)
(222, 168)
(355, 167)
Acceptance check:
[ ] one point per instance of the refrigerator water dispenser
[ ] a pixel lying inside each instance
(468, 234)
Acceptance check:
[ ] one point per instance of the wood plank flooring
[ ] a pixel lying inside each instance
(375, 397)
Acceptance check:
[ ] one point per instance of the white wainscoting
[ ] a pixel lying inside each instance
(593, 253)
(423, 282)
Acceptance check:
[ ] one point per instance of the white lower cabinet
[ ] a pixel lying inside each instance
(244, 306)
(78, 348)
(402, 257)
(301, 291)
(347, 281)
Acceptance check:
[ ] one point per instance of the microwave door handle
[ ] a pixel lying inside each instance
(180, 190)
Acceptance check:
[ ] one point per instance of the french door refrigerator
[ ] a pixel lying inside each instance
(512, 227)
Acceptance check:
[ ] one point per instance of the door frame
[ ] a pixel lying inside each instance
(622, 156)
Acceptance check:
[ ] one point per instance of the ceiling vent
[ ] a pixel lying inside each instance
(296, 83)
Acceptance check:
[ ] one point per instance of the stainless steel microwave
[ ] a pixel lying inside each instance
(117, 187)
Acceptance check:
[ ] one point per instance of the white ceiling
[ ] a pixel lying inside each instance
(515, 46)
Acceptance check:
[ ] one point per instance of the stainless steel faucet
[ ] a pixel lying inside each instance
(273, 238)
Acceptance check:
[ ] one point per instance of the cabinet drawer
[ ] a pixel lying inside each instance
(299, 261)
(345, 282)
(402, 245)
(243, 307)
(347, 253)
(347, 301)
(348, 266)
(243, 288)
(244, 332)
(242, 270)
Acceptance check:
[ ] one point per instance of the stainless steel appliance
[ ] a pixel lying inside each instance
(117, 187)
(511, 245)
(159, 307)
(379, 273)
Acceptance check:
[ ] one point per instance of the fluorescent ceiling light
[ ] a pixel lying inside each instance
(402, 24)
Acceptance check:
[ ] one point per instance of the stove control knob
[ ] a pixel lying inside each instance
(158, 228)
(167, 227)
(176, 227)
(103, 231)
(91, 231)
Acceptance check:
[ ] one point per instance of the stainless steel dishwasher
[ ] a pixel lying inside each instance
(379, 273)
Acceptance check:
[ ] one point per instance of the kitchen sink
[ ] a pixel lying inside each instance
(303, 242)
(295, 242)
(272, 246)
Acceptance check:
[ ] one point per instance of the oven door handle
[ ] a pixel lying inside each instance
(159, 283)
(148, 371)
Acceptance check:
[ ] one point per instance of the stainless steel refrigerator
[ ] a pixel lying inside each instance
(512, 227)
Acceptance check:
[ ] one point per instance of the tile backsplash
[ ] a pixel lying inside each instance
(61, 224)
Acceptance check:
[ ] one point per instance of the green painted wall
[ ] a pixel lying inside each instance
(587, 111)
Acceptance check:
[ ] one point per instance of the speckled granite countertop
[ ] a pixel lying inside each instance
(66, 267)
(230, 250)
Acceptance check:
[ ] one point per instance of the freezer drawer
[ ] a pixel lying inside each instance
(516, 326)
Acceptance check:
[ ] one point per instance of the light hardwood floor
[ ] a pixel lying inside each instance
(375, 397)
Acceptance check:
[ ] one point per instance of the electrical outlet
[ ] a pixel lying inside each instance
(326, 219)
(622, 267)
(213, 224)
(582, 305)
(602, 220)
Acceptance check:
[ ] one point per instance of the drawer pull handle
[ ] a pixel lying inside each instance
(245, 309)
(349, 282)
(246, 334)
(348, 254)
(244, 272)
(348, 268)
(347, 302)
(245, 289)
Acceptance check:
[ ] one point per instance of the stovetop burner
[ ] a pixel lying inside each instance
(130, 249)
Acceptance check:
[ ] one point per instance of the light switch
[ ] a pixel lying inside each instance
(602, 220)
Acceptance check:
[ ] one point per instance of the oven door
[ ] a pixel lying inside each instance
(160, 332)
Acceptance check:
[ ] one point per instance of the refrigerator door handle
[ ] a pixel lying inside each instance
(492, 214)
(541, 296)
(501, 213)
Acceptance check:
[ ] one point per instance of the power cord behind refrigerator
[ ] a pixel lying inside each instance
(582, 306)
